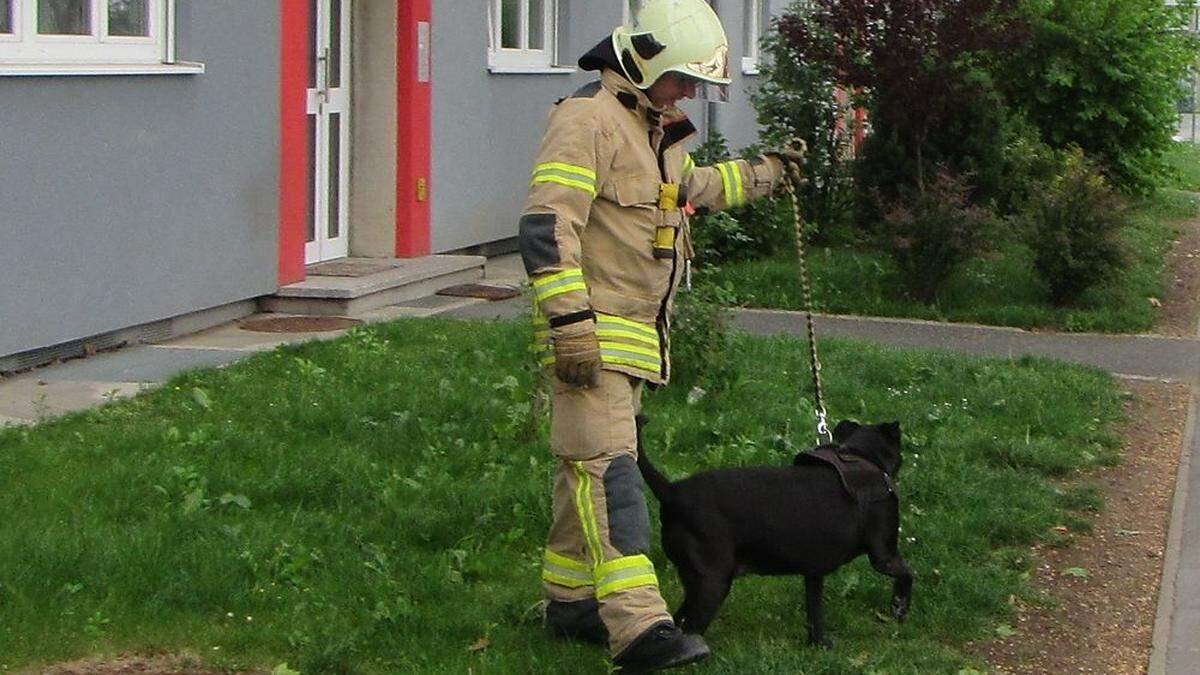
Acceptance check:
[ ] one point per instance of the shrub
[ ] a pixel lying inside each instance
(755, 230)
(1073, 225)
(700, 337)
(798, 99)
(931, 232)
(923, 70)
(1104, 75)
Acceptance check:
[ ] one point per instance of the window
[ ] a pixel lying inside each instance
(522, 35)
(62, 34)
(753, 24)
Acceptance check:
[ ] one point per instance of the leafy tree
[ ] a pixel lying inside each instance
(935, 161)
(1104, 75)
(923, 69)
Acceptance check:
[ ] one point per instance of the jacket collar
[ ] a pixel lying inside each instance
(633, 98)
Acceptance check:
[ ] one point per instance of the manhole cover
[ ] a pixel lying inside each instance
(481, 291)
(299, 324)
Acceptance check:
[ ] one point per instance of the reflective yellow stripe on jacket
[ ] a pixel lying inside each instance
(622, 342)
(731, 178)
(549, 285)
(570, 175)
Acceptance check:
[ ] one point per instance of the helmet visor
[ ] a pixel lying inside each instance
(712, 92)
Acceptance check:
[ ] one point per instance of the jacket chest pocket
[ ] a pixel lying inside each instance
(644, 192)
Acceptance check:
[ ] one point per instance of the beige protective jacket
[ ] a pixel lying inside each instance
(604, 234)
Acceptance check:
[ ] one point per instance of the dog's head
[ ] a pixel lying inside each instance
(878, 443)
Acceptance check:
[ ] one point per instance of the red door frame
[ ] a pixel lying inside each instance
(294, 18)
(413, 110)
(413, 131)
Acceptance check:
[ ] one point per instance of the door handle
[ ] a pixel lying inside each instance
(323, 78)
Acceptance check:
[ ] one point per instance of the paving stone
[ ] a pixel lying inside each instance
(31, 398)
(140, 363)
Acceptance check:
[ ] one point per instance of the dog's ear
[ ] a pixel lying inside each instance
(844, 430)
(891, 430)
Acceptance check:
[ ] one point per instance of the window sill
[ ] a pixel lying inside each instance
(530, 70)
(56, 69)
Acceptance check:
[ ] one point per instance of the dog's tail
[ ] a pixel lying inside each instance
(659, 485)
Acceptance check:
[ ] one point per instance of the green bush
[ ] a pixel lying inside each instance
(1104, 75)
(700, 337)
(755, 230)
(797, 99)
(1073, 225)
(931, 232)
(924, 72)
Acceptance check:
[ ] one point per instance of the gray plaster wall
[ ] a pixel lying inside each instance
(737, 120)
(486, 126)
(130, 199)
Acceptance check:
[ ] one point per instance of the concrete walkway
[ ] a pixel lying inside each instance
(88, 382)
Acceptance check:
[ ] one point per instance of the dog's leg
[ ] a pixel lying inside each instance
(886, 559)
(901, 587)
(703, 602)
(814, 606)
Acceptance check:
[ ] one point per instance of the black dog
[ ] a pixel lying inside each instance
(834, 504)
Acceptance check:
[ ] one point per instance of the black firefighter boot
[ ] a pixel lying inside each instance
(661, 646)
(578, 620)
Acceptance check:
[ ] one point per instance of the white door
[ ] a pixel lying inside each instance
(329, 132)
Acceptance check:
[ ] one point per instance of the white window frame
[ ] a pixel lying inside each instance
(752, 32)
(26, 52)
(627, 11)
(522, 59)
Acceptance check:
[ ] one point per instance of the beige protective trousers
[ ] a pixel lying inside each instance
(601, 530)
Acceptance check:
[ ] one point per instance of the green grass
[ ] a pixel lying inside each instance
(1184, 159)
(1001, 290)
(377, 504)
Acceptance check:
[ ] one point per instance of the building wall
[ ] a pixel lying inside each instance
(737, 120)
(129, 199)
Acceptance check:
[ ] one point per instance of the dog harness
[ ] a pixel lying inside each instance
(861, 478)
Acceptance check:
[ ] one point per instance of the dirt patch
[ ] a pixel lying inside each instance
(130, 664)
(1104, 587)
(1181, 308)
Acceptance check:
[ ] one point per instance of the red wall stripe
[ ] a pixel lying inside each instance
(293, 138)
(413, 142)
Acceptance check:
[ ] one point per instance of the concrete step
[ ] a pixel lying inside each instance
(405, 280)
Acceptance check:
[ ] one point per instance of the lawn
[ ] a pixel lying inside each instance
(377, 504)
(1001, 289)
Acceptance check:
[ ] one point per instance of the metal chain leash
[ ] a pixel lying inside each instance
(791, 172)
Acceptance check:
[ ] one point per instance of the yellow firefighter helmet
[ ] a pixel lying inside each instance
(682, 36)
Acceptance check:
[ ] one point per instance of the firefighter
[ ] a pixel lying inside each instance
(604, 237)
